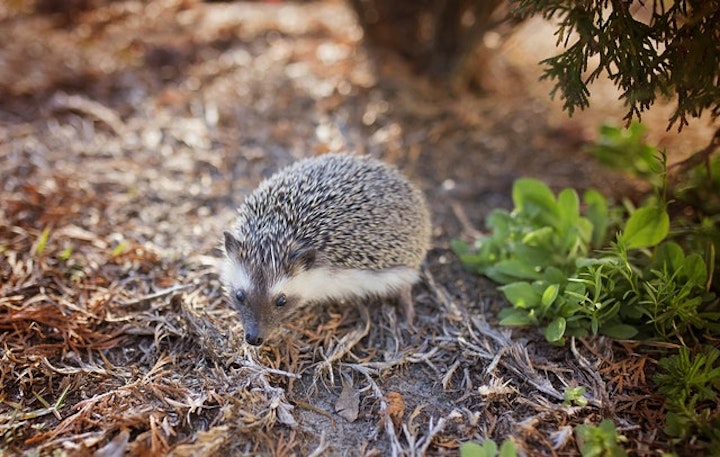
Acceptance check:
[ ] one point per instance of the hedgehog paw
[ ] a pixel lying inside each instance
(407, 303)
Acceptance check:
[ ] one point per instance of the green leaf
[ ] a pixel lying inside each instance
(511, 270)
(120, 248)
(508, 449)
(499, 221)
(534, 198)
(585, 230)
(556, 329)
(490, 448)
(521, 295)
(549, 295)
(695, 270)
(647, 227)
(67, 252)
(597, 214)
(677, 425)
(472, 449)
(534, 258)
(554, 275)
(459, 247)
(569, 206)
(601, 441)
(574, 395)
(42, 241)
(513, 317)
(619, 331)
(541, 237)
(668, 255)
(575, 291)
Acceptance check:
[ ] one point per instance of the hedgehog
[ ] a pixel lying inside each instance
(327, 228)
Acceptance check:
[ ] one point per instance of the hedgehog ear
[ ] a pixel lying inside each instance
(303, 257)
(232, 245)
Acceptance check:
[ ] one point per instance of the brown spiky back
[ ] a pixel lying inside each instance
(355, 211)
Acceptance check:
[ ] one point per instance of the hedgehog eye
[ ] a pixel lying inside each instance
(281, 300)
(240, 296)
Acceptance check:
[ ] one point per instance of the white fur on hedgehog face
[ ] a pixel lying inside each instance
(234, 275)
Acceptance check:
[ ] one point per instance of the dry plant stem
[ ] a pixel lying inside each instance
(63, 101)
(592, 372)
(85, 407)
(500, 336)
(524, 368)
(442, 294)
(387, 424)
(403, 358)
(420, 446)
(308, 406)
(321, 448)
(701, 156)
(158, 294)
(418, 357)
(249, 362)
(344, 346)
(516, 359)
(464, 220)
(88, 437)
(448, 376)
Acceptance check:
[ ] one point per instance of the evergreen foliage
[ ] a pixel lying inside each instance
(648, 49)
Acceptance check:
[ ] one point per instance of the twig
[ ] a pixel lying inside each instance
(592, 372)
(465, 220)
(446, 379)
(701, 156)
(322, 447)
(63, 101)
(395, 446)
(344, 346)
(442, 294)
(158, 294)
(420, 446)
(310, 407)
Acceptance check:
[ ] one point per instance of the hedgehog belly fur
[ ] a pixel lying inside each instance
(327, 283)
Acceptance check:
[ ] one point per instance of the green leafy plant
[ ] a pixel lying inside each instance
(121, 248)
(600, 441)
(701, 188)
(544, 253)
(542, 231)
(42, 241)
(574, 396)
(488, 449)
(691, 384)
(699, 196)
(582, 267)
(625, 149)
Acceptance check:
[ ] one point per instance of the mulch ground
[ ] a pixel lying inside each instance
(130, 132)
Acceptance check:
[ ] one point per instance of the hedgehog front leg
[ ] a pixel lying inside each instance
(406, 301)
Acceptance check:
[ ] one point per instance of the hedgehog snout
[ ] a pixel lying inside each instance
(252, 333)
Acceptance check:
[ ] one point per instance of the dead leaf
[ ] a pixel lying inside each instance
(206, 443)
(116, 447)
(348, 404)
(396, 408)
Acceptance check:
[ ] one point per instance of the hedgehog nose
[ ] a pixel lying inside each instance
(253, 339)
(252, 334)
